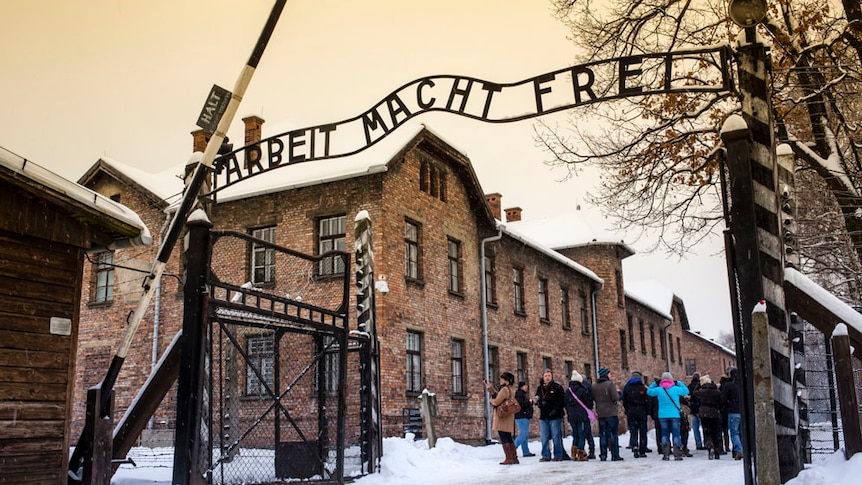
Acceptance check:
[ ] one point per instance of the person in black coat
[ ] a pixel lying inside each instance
(730, 391)
(694, 405)
(711, 404)
(637, 406)
(654, 415)
(522, 419)
(578, 400)
(549, 398)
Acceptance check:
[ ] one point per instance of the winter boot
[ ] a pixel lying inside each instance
(665, 451)
(710, 451)
(677, 453)
(582, 455)
(686, 453)
(511, 454)
(592, 453)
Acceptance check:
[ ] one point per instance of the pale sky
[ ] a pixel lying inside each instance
(126, 79)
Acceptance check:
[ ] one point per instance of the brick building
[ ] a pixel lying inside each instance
(559, 305)
(706, 356)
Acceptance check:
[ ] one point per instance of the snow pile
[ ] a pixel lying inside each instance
(834, 471)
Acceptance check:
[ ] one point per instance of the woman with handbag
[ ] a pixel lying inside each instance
(579, 404)
(668, 393)
(503, 420)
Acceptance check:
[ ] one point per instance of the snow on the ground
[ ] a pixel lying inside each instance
(412, 462)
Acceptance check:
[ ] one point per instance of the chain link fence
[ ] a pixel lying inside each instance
(824, 415)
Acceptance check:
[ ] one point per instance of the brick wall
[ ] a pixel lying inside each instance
(709, 357)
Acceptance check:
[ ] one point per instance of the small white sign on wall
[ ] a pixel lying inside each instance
(61, 326)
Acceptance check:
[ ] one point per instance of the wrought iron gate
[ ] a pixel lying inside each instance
(282, 386)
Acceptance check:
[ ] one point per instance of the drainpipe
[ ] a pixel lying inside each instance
(482, 286)
(157, 312)
(595, 329)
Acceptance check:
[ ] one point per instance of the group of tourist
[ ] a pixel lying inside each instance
(670, 404)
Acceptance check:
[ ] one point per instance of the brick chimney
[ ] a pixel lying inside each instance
(253, 130)
(495, 203)
(253, 126)
(513, 214)
(200, 138)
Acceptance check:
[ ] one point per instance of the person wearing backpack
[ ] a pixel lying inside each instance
(637, 406)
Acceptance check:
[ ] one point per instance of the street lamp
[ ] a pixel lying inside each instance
(746, 13)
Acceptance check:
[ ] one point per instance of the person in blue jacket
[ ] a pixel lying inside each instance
(668, 392)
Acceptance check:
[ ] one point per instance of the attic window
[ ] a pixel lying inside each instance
(432, 180)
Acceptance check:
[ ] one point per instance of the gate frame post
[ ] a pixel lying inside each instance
(190, 382)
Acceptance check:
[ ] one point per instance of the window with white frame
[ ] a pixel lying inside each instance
(458, 367)
(518, 289)
(263, 257)
(414, 362)
(454, 256)
(261, 359)
(543, 300)
(411, 249)
(331, 236)
(103, 287)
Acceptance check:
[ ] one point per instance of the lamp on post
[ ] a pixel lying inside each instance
(746, 13)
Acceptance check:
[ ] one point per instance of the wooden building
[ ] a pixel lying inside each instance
(47, 225)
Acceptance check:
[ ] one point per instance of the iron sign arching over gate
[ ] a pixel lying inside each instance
(589, 83)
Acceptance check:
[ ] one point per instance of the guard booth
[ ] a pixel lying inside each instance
(47, 225)
(281, 397)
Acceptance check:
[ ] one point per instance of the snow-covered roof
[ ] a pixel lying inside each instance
(167, 185)
(64, 189)
(372, 160)
(830, 302)
(709, 341)
(573, 229)
(518, 235)
(652, 294)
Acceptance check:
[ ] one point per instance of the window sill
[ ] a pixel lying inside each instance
(492, 304)
(412, 393)
(457, 294)
(328, 276)
(520, 314)
(567, 329)
(460, 397)
(544, 321)
(100, 304)
(414, 282)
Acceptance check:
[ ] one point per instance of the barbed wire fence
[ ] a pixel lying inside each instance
(824, 414)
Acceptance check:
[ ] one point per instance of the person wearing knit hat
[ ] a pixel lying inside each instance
(579, 405)
(637, 407)
(606, 395)
(711, 404)
(668, 393)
